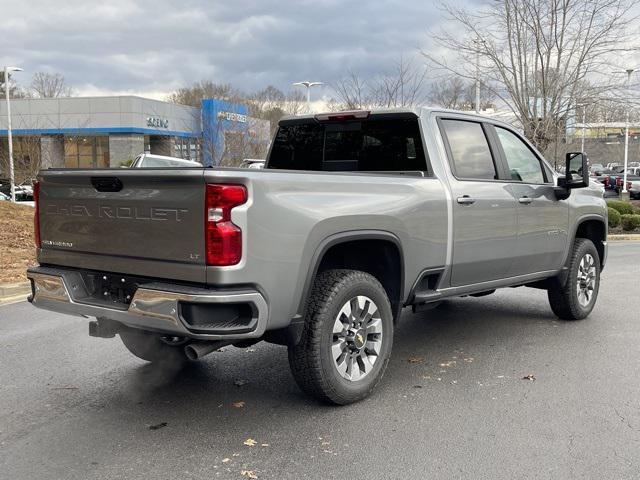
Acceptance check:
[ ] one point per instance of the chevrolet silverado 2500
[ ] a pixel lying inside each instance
(355, 216)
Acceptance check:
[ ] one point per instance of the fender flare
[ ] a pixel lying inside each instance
(572, 236)
(336, 239)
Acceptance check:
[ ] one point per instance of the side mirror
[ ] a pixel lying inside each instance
(577, 171)
(576, 175)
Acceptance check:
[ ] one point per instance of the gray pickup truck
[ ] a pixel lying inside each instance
(355, 216)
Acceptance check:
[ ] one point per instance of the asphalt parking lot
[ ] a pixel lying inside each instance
(453, 404)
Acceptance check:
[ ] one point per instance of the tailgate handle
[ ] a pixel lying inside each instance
(106, 184)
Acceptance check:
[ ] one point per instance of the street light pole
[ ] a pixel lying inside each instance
(12, 179)
(626, 138)
(584, 119)
(477, 42)
(308, 85)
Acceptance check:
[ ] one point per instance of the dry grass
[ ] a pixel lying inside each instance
(17, 250)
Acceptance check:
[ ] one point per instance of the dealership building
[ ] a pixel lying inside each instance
(109, 132)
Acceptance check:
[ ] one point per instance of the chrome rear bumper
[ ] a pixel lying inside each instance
(154, 306)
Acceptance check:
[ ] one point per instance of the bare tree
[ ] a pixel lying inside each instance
(353, 92)
(449, 93)
(536, 54)
(272, 104)
(26, 158)
(402, 86)
(194, 94)
(14, 90)
(49, 85)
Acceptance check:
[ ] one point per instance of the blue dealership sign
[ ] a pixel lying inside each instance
(219, 118)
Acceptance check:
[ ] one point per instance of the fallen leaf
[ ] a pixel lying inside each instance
(415, 360)
(158, 426)
(250, 442)
(529, 377)
(325, 443)
(237, 404)
(239, 382)
(417, 386)
(264, 444)
(225, 460)
(251, 350)
(248, 474)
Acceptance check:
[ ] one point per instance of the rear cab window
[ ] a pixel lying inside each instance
(469, 150)
(379, 143)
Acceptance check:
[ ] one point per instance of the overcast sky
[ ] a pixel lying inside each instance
(154, 46)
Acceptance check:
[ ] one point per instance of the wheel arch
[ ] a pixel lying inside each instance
(594, 228)
(355, 250)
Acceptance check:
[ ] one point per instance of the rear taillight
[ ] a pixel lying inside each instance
(223, 239)
(36, 214)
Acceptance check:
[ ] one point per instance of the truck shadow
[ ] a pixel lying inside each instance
(261, 373)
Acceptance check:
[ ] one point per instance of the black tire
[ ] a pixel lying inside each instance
(312, 363)
(151, 347)
(564, 299)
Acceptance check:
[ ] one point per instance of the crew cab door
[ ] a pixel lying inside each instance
(484, 210)
(542, 218)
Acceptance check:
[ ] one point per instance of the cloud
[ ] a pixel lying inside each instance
(157, 46)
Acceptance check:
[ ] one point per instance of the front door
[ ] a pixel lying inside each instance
(484, 210)
(542, 219)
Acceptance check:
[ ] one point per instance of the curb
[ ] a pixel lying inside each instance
(623, 237)
(11, 292)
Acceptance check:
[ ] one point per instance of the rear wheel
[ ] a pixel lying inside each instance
(153, 347)
(347, 338)
(576, 298)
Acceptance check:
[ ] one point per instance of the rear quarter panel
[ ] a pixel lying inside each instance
(290, 214)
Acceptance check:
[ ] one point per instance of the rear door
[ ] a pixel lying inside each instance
(542, 219)
(484, 210)
(148, 222)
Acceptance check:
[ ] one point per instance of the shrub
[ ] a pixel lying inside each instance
(630, 222)
(614, 217)
(624, 208)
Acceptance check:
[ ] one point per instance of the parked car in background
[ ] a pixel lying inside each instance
(634, 189)
(149, 160)
(4, 197)
(596, 169)
(256, 163)
(632, 174)
(23, 192)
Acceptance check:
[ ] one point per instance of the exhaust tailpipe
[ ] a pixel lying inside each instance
(197, 350)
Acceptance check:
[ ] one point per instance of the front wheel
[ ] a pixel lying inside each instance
(347, 338)
(576, 298)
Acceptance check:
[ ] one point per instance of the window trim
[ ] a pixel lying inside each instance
(496, 159)
(501, 152)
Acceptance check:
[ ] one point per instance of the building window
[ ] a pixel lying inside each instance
(86, 152)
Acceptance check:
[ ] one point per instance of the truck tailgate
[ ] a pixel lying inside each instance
(126, 221)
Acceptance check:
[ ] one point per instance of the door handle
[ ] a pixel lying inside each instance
(525, 200)
(466, 200)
